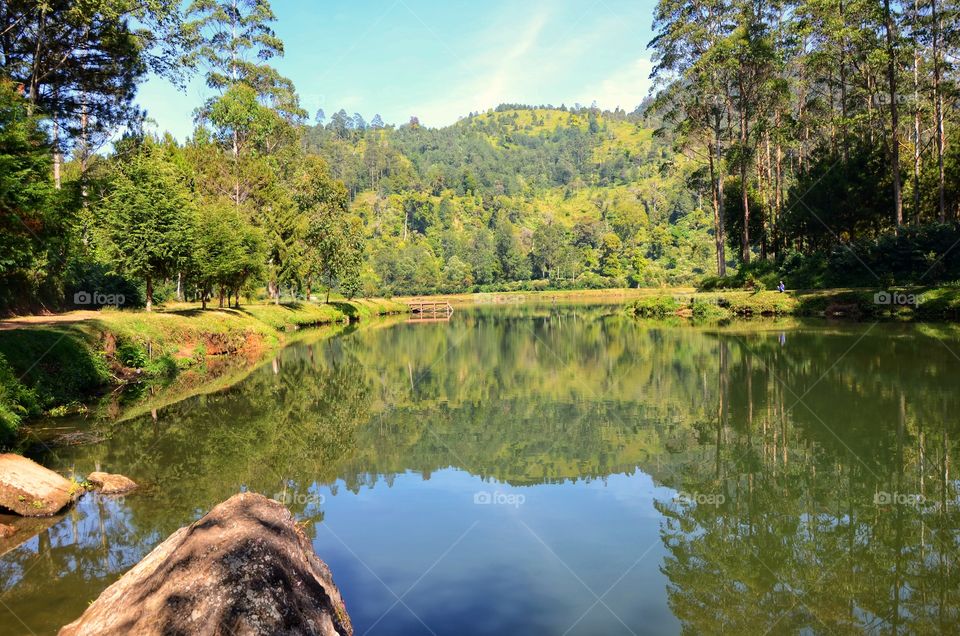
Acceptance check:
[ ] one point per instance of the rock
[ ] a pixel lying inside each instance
(244, 568)
(6, 531)
(24, 529)
(111, 484)
(30, 490)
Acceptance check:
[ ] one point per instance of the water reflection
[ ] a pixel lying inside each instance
(757, 477)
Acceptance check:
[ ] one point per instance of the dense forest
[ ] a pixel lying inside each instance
(807, 141)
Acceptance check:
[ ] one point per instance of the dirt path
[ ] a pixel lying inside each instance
(22, 322)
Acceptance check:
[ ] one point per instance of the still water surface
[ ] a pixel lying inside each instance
(560, 470)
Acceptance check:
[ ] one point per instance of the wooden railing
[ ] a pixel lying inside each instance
(430, 307)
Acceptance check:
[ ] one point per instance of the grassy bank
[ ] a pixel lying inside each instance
(50, 363)
(613, 295)
(927, 303)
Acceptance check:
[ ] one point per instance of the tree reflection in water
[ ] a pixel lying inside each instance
(782, 446)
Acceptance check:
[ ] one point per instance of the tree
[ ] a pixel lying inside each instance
(226, 251)
(234, 40)
(144, 214)
(549, 243)
(333, 244)
(255, 131)
(79, 62)
(28, 219)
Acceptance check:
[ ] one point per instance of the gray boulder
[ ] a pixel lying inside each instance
(245, 568)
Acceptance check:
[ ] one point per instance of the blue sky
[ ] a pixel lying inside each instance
(440, 60)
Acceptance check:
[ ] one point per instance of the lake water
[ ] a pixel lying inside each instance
(560, 470)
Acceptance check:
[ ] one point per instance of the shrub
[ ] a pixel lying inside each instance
(655, 307)
(16, 402)
(131, 355)
(702, 310)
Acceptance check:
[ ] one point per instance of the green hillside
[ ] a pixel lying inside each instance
(519, 198)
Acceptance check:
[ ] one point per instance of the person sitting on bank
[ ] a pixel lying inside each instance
(781, 287)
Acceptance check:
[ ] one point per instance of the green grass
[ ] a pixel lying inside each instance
(714, 305)
(940, 303)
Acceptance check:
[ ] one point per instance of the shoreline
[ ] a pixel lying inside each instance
(51, 368)
(940, 304)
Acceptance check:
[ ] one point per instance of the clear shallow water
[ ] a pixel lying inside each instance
(552, 470)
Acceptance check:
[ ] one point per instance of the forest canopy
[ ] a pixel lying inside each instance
(794, 140)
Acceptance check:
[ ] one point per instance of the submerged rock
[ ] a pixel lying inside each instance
(7, 531)
(30, 490)
(244, 568)
(111, 484)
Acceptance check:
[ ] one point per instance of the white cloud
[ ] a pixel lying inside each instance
(505, 66)
(626, 87)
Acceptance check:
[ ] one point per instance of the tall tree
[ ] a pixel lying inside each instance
(79, 62)
(145, 214)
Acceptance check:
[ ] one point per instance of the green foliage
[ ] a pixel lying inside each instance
(28, 221)
(609, 215)
(58, 366)
(333, 241)
(702, 310)
(655, 307)
(130, 354)
(16, 402)
(759, 303)
(145, 214)
(227, 251)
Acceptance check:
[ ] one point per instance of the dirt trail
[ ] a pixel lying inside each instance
(21, 322)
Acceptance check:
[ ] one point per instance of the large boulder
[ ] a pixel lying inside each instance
(245, 568)
(109, 484)
(30, 490)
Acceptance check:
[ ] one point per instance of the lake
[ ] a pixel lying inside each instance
(559, 469)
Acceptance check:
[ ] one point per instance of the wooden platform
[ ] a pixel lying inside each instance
(432, 307)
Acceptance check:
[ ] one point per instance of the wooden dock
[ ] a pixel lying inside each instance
(431, 307)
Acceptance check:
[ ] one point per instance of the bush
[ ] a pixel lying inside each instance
(16, 402)
(655, 307)
(131, 355)
(702, 310)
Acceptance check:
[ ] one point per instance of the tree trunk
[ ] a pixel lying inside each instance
(220, 294)
(916, 115)
(844, 146)
(717, 215)
(57, 155)
(894, 115)
(938, 112)
(778, 193)
(744, 194)
(149, 293)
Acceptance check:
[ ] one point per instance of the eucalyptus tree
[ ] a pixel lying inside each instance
(234, 41)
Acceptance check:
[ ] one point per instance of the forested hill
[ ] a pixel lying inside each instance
(518, 197)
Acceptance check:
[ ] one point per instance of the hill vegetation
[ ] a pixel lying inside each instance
(802, 144)
(518, 198)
